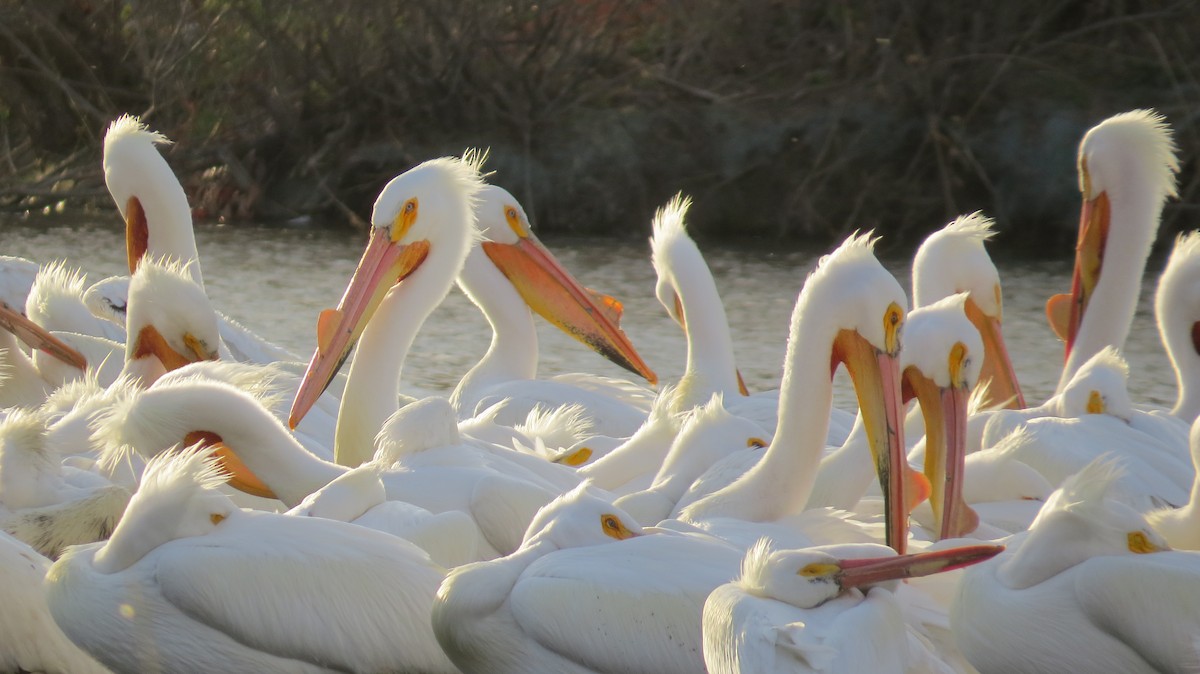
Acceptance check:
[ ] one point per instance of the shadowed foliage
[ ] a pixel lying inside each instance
(783, 119)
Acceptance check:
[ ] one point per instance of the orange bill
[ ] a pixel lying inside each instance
(876, 378)
(240, 476)
(997, 364)
(1094, 220)
(150, 342)
(137, 233)
(37, 337)
(384, 264)
(552, 292)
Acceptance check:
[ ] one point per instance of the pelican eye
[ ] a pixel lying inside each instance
(514, 222)
(893, 320)
(216, 518)
(404, 220)
(1141, 544)
(756, 443)
(614, 527)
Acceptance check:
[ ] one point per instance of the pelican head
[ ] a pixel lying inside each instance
(954, 260)
(418, 215)
(1100, 386)
(940, 365)
(546, 286)
(109, 298)
(580, 518)
(37, 337)
(1079, 521)
(865, 307)
(424, 424)
(177, 498)
(170, 320)
(1127, 168)
(150, 198)
(809, 577)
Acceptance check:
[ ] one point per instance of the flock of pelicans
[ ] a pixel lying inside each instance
(176, 495)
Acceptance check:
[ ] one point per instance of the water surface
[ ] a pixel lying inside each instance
(275, 280)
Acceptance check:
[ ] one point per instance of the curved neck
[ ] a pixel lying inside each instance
(1176, 332)
(1134, 217)
(780, 483)
(168, 219)
(710, 367)
(373, 384)
(265, 446)
(513, 353)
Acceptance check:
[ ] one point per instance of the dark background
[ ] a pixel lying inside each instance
(784, 120)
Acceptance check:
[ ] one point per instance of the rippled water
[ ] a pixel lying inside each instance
(275, 280)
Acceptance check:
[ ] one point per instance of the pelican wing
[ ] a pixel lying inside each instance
(305, 588)
(633, 605)
(1150, 603)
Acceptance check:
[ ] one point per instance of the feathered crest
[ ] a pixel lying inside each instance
(1109, 358)
(669, 227)
(23, 440)
(153, 271)
(260, 381)
(425, 424)
(712, 411)
(130, 126)
(858, 246)
(1145, 132)
(57, 278)
(972, 226)
(180, 471)
(1185, 253)
(560, 426)
(753, 578)
(1086, 493)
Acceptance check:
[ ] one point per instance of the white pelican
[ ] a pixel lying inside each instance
(1127, 167)
(827, 610)
(939, 365)
(954, 260)
(30, 640)
(45, 504)
(850, 311)
(506, 275)
(585, 592)
(640, 453)
(22, 382)
(686, 289)
(1177, 308)
(56, 302)
(265, 460)
(158, 219)
(188, 582)
(423, 230)
(708, 434)
(16, 278)
(1091, 588)
(1156, 466)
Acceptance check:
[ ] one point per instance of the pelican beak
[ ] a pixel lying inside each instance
(38, 337)
(860, 572)
(137, 233)
(945, 412)
(1066, 311)
(240, 476)
(552, 292)
(150, 342)
(384, 263)
(876, 377)
(997, 365)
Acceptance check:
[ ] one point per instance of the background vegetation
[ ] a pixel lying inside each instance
(782, 118)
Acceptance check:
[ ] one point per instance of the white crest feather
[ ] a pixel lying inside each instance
(753, 578)
(130, 126)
